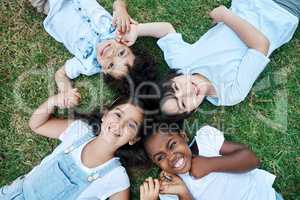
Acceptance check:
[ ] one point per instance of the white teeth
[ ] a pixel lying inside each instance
(179, 163)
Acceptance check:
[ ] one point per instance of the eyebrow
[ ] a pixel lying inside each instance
(137, 124)
(120, 110)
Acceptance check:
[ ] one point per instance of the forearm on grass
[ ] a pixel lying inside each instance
(241, 160)
(155, 29)
(251, 36)
(62, 80)
(42, 123)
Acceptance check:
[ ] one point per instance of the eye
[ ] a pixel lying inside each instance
(175, 87)
(122, 53)
(132, 126)
(111, 65)
(172, 145)
(118, 115)
(183, 105)
(160, 158)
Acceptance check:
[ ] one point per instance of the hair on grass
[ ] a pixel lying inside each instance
(130, 155)
(143, 69)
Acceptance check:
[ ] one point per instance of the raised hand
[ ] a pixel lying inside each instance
(149, 190)
(121, 18)
(128, 38)
(67, 99)
(172, 184)
(218, 14)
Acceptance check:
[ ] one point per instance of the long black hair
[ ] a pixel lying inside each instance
(130, 155)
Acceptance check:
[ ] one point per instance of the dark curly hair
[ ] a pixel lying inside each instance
(143, 69)
(130, 155)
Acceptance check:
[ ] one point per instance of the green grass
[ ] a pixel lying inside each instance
(268, 120)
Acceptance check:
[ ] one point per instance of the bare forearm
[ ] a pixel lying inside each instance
(251, 36)
(155, 29)
(62, 81)
(239, 161)
(186, 196)
(41, 114)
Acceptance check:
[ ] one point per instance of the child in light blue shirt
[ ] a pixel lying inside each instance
(89, 33)
(224, 63)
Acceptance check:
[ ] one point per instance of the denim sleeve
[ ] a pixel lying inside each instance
(73, 68)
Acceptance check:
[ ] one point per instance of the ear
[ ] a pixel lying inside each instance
(134, 140)
(184, 136)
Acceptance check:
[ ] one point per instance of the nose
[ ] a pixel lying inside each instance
(171, 157)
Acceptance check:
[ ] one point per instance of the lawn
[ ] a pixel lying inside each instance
(267, 120)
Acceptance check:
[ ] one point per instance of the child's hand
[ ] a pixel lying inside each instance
(122, 20)
(218, 14)
(128, 38)
(67, 99)
(172, 184)
(149, 190)
(200, 166)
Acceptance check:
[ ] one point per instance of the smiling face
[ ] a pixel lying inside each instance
(186, 93)
(121, 125)
(115, 58)
(170, 152)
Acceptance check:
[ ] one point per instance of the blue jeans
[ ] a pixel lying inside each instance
(278, 196)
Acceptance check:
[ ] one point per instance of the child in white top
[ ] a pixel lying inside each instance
(85, 165)
(218, 169)
(224, 63)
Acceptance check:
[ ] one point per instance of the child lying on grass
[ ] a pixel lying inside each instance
(216, 169)
(224, 63)
(88, 31)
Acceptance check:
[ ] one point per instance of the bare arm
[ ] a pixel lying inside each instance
(235, 158)
(252, 37)
(155, 29)
(63, 82)
(123, 195)
(41, 121)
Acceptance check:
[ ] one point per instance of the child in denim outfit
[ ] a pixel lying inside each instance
(85, 165)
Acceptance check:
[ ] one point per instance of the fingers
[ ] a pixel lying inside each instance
(149, 189)
(127, 25)
(132, 21)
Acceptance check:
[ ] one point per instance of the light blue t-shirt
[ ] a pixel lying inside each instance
(79, 25)
(221, 57)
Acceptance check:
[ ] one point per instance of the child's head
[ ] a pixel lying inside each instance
(168, 148)
(119, 62)
(181, 94)
(121, 125)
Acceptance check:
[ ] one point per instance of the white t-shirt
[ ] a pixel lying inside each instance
(115, 181)
(253, 185)
(223, 58)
